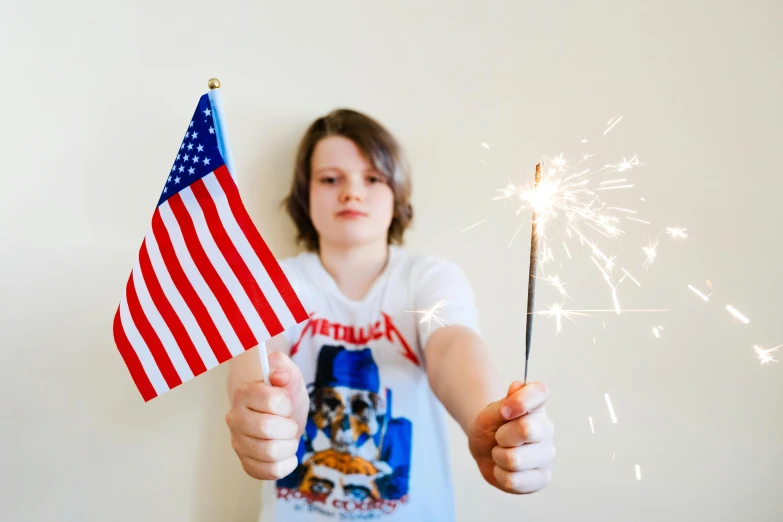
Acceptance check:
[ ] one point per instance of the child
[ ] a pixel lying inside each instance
(352, 424)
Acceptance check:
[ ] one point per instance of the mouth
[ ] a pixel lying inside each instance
(351, 214)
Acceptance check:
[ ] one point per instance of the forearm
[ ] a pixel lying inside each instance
(461, 373)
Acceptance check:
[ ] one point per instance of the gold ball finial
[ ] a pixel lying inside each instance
(214, 83)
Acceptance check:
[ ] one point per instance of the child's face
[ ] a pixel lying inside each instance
(351, 203)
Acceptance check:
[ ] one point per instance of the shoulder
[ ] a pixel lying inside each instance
(298, 269)
(424, 269)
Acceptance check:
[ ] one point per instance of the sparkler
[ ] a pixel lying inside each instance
(531, 283)
(764, 355)
(563, 191)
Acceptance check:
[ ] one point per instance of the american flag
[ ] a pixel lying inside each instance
(205, 286)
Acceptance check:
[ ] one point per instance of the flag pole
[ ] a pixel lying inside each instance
(225, 151)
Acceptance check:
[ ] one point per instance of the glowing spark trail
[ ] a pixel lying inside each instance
(695, 291)
(638, 472)
(611, 125)
(591, 425)
(627, 273)
(736, 313)
(471, 226)
(611, 410)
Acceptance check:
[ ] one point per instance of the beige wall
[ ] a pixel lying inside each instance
(95, 97)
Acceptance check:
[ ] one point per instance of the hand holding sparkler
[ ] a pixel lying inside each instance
(512, 440)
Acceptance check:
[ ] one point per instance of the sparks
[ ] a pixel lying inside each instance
(611, 125)
(677, 233)
(591, 425)
(627, 273)
(764, 355)
(611, 410)
(566, 249)
(638, 472)
(475, 225)
(555, 281)
(695, 291)
(429, 315)
(656, 333)
(736, 313)
(651, 252)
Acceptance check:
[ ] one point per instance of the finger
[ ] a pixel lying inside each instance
(264, 450)
(524, 457)
(523, 482)
(259, 397)
(513, 388)
(530, 428)
(269, 470)
(524, 400)
(268, 427)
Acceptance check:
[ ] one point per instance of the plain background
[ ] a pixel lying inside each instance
(96, 96)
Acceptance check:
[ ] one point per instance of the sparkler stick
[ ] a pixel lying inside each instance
(531, 283)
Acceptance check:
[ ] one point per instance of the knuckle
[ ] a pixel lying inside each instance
(526, 428)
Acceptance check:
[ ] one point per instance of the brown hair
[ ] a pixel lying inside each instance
(380, 148)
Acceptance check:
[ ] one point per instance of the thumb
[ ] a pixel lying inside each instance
(282, 370)
(519, 400)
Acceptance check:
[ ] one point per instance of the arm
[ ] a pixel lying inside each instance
(461, 373)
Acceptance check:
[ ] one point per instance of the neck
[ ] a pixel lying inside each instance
(354, 268)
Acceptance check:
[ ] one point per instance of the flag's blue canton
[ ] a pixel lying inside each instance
(198, 155)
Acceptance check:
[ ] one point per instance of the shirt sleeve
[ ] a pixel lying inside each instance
(443, 297)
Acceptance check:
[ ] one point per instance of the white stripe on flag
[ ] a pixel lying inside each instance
(194, 276)
(178, 303)
(248, 254)
(160, 326)
(223, 269)
(141, 349)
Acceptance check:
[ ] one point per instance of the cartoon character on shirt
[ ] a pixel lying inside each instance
(350, 428)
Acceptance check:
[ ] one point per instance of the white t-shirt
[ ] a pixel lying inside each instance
(375, 446)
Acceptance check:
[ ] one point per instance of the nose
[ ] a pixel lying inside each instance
(352, 190)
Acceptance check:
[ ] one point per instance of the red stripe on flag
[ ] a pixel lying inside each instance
(132, 361)
(210, 275)
(234, 259)
(186, 290)
(259, 246)
(150, 337)
(170, 317)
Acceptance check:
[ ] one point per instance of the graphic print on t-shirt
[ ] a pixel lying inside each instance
(354, 457)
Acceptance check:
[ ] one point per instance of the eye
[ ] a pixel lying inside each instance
(327, 180)
(359, 407)
(332, 403)
(321, 486)
(373, 179)
(357, 492)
